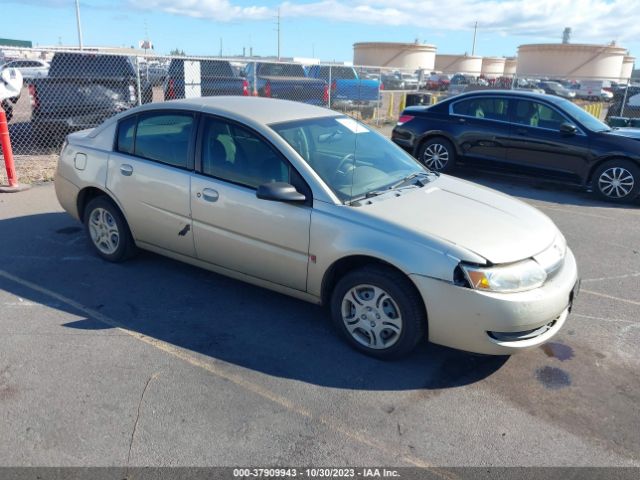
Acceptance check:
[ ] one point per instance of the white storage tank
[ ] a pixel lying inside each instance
(468, 64)
(510, 65)
(627, 68)
(571, 61)
(396, 55)
(493, 67)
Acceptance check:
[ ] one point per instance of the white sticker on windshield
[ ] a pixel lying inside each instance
(352, 125)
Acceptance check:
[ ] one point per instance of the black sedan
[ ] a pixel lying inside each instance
(540, 135)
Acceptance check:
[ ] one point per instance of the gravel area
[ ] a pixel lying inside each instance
(32, 168)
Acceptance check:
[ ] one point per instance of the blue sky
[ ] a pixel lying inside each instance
(325, 29)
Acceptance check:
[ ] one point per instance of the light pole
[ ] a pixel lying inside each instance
(475, 31)
(78, 22)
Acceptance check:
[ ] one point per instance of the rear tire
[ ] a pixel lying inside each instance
(438, 155)
(379, 312)
(108, 231)
(617, 181)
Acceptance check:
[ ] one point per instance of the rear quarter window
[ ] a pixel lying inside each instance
(126, 135)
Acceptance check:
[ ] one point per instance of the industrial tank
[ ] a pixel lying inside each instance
(510, 65)
(572, 61)
(493, 67)
(468, 64)
(627, 68)
(397, 55)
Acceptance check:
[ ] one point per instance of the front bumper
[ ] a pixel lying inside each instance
(498, 323)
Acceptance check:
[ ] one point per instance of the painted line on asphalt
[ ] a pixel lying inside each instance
(552, 206)
(616, 277)
(573, 212)
(603, 319)
(217, 368)
(611, 297)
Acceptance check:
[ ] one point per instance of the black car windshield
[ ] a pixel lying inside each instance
(584, 117)
(351, 158)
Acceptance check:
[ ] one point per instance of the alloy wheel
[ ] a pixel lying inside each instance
(616, 182)
(435, 156)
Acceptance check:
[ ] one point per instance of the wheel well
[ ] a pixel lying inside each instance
(604, 160)
(345, 265)
(85, 196)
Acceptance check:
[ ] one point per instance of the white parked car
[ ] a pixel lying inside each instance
(29, 69)
(311, 203)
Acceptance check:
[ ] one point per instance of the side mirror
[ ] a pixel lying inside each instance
(279, 192)
(568, 128)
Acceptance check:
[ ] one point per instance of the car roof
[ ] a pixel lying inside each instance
(258, 109)
(509, 94)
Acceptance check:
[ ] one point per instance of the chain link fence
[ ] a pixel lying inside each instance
(69, 90)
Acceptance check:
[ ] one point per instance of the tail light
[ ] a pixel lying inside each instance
(245, 88)
(171, 89)
(325, 93)
(267, 89)
(132, 93)
(334, 86)
(33, 96)
(404, 119)
(381, 86)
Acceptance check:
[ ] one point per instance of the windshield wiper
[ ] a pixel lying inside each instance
(411, 177)
(394, 187)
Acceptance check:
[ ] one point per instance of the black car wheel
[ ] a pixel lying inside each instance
(379, 311)
(617, 180)
(437, 154)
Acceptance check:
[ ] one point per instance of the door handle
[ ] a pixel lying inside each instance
(521, 131)
(210, 195)
(462, 120)
(126, 169)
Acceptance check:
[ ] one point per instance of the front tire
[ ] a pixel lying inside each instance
(437, 154)
(617, 181)
(108, 231)
(379, 312)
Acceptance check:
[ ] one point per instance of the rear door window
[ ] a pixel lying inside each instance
(490, 108)
(162, 137)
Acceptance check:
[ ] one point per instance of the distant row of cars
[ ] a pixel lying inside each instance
(79, 90)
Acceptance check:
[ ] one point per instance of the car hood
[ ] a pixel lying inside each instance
(625, 132)
(490, 224)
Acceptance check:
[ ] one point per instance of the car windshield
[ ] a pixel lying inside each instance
(353, 160)
(584, 117)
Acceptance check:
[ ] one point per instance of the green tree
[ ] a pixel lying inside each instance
(176, 52)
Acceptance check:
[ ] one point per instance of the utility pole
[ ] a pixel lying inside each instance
(220, 46)
(78, 22)
(475, 30)
(146, 42)
(278, 33)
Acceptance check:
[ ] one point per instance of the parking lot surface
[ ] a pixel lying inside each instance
(153, 362)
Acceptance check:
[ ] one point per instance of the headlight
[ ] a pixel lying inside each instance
(515, 277)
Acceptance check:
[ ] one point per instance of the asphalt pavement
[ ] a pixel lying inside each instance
(157, 363)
